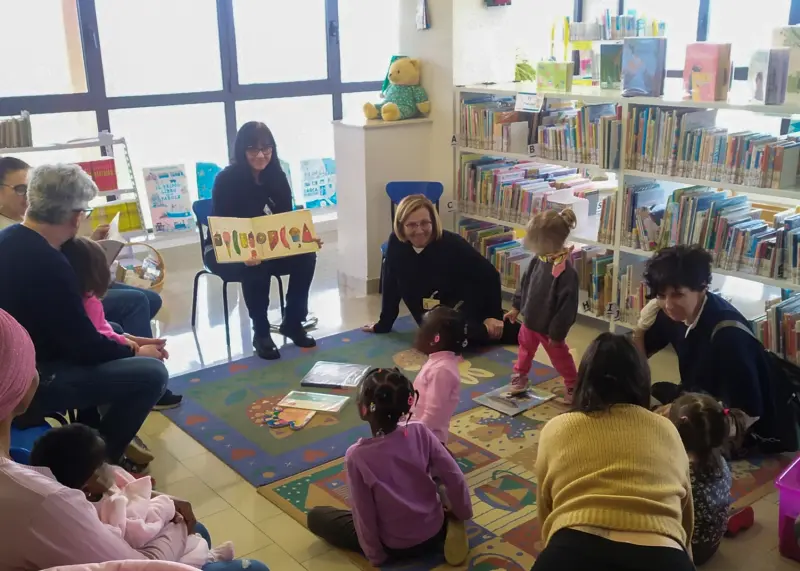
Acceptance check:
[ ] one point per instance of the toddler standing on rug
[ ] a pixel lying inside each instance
(75, 454)
(441, 337)
(89, 261)
(396, 509)
(547, 299)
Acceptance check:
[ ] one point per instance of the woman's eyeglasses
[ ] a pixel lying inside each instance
(412, 226)
(20, 189)
(255, 151)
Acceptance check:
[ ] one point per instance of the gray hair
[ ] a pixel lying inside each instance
(57, 192)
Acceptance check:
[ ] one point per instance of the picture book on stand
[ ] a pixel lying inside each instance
(329, 375)
(554, 76)
(502, 400)
(767, 75)
(611, 66)
(643, 66)
(789, 37)
(707, 71)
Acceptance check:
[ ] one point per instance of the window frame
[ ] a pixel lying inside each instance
(96, 100)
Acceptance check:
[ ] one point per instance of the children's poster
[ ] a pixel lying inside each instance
(319, 182)
(264, 237)
(206, 174)
(168, 195)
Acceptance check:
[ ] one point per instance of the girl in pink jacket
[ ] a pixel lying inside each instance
(442, 337)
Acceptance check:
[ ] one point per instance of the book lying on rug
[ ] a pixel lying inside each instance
(314, 401)
(294, 418)
(329, 375)
(503, 401)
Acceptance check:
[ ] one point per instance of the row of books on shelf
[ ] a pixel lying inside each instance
(779, 328)
(502, 246)
(615, 27)
(591, 135)
(514, 191)
(16, 131)
(687, 143)
(743, 236)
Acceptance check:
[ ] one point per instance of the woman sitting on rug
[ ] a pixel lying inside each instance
(426, 266)
(398, 511)
(613, 478)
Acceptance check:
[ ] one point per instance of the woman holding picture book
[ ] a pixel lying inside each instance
(254, 185)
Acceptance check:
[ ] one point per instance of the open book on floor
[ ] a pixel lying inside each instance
(329, 375)
(503, 401)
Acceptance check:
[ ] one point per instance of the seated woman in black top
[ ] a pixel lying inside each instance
(253, 185)
(725, 361)
(426, 265)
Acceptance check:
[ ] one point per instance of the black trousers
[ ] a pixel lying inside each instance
(256, 280)
(571, 550)
(666, 392)
(338, 528)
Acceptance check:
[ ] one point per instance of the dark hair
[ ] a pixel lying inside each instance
(253, 134)
(677, 267)
(11, 164)
(703, 426)
(446, 323)
(387, 395)
(72, 453)
(89, 261)
(611, 372)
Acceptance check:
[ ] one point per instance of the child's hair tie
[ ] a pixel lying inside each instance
(684, 418)
(411, 399)
(726, 411)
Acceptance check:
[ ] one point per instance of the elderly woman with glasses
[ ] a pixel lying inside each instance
(254, 185)
(80, 368)
(426, 265)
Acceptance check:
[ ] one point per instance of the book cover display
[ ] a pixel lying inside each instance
(319, 182)
(168, 197)
(554, 76)
(128, 211)
(326, 374)
(789, 37)
(611, 66)
(320, 402)
(103, 173)
(263, 237)
(643, 67)
(206, 174)
(502, 400)
(767, 75)
(707, 71)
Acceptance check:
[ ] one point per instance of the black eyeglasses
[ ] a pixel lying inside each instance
(21, 189)
(254, 151)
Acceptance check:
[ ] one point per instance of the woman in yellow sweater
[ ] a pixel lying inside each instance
(613, 478)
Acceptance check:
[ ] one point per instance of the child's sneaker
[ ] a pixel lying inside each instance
(519, 384)
(456, 543)
(740, 520)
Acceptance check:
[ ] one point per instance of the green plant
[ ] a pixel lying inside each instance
(523, 70)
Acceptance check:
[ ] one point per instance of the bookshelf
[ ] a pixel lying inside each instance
(587, 231)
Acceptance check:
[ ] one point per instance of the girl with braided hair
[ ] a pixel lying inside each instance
(397, 512)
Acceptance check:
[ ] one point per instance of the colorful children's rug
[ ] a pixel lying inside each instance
(225, 407)
(497, 454)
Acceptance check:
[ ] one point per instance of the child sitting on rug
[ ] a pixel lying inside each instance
(396, 509)
(89, 261)
(704, 427)
(547, 299)
(75, 454)
(442, 337)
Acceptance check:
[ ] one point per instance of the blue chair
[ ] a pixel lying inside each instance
(202, 210)
(397, 191)
(22, 442)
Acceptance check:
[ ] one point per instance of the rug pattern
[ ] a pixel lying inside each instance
(498, 455)
(225, 407)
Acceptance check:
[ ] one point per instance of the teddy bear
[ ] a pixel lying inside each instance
(405, 97)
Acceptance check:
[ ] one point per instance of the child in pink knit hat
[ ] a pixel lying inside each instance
(18, 375)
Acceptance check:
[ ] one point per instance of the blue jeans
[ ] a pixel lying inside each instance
(126, 389)
(236, 565)
(132, 308)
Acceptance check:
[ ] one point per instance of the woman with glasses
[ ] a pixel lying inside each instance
(426, 266)
(13, 190)
(254, 185)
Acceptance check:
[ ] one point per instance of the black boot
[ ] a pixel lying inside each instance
(265, 348)
(298, 336)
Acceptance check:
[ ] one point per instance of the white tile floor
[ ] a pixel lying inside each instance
(233, 510)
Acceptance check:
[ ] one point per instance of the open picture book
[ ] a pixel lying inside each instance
(264, 237)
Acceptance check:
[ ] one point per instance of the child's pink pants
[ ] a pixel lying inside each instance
(563, 362)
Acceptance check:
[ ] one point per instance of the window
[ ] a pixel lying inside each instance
(158, 46)
(368, 42)
(280, 41)
(748, 31)
(42, 48)
(353, 103)
(680, 18)
(51, 128)
(594, 10)
(301, 126)
(163, 136)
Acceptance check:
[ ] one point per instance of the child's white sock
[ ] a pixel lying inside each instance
(222, 552)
